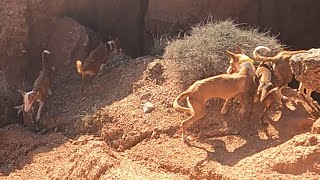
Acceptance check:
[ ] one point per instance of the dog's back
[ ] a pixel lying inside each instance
(96, 58)
(225, 85)
(42, 83)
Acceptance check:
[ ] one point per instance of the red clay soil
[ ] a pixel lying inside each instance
(104, 134)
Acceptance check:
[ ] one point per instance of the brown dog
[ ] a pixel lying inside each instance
(41, 89)
(223, 86)
(280, 65)
(97, 60)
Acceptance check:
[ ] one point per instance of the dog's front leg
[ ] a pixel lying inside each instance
(224, 108)
(267, 104)
(242, 100)
(281, 96)
(101, 68)
(301, 89)
(41, 104)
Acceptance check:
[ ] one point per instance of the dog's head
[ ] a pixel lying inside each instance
(28, 99)
(236, 59)
(114, 46)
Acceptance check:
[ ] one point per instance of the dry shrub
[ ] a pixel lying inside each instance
(202, 54)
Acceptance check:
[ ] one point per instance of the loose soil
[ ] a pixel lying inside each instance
(103, 133)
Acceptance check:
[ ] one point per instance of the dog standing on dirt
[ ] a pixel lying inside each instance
(236, 59)
(97, 60)
(223, 86)
(41, 89)
(271, 75)
(280, 65)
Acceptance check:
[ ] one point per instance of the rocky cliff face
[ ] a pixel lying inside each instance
(306, 68)
(295, 21)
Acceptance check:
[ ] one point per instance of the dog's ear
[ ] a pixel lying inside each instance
(238, 49)
(22, 92)
(232, 55)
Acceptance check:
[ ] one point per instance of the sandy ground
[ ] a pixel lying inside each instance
(104, 134)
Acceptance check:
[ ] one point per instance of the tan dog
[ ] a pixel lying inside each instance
(236, 59)
(263, 77)
(41, 89)
(223, 86)
(280, 65)
(97, 60)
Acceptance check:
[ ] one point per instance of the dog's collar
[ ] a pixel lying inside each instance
(246, 60)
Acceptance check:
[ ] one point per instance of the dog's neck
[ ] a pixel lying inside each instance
(26, 101)
(247, 68)
(246, 59)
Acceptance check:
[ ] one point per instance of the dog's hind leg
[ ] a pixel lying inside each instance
(224, 108)
(198, 112)
(41, 104)
(244, 104)
(101, 69)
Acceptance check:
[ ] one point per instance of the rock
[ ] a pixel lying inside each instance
(69, 41)
(306, 68)
(145, 96)
(315, 129)
(155, 72)
(148, 107)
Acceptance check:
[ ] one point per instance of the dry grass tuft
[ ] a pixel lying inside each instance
(202, 54)
(160, 41)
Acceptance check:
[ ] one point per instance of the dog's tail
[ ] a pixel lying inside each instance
(283, 54)
(257, 56)
(43, 58)
(79, 66)
(288, 54)
(263, 97)
(176, 105)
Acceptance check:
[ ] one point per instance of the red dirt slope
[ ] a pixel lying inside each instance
(123, 142)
